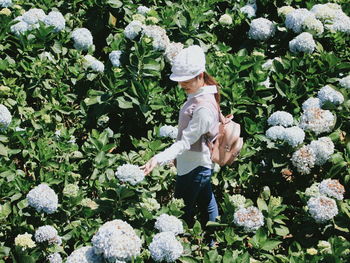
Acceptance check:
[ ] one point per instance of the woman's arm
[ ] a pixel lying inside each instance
(198, 125)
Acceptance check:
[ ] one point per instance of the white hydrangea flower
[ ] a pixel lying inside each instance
(285, 10)
(150, 204)
(82, 38)
(313, 25)
(172, 49)
(322, 208)
(332, 188)
(33, 16)
(168, 131)
(225, 19)
(43, 198)
(130, 173)
(114, 57)
(275, 133)
(84, 255)
(71, 190)
(54, 258)
(323, 12)
(93, 63)
(261, 29)
(323, 149)
(249, 9)
(304, 159)
(5, 117)
(295, 19)
(249, 218)
(329, 94)
(133, 29)
(167, 223)
(139, 17)
(47, 233)
(280, 118)
(5, 3)
(165, 247)
(324, 246)
(24, 241)
(311, 103)
(345, 82)
(117, 241)
(341, 23)
(238, 200)
(294, 136)
(302, 43)
(143, 10)
(313, 190)
(317, 120)
(159, 36)
(55, 19)
(20, 27)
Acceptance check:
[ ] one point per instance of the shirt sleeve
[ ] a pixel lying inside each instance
(198, 125)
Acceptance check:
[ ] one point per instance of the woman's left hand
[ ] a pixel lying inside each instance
(149, 166)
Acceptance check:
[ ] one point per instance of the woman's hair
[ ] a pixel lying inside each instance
(209, 80)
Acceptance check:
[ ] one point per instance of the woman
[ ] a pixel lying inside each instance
(198, 122)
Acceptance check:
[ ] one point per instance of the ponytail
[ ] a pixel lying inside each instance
(209, 80)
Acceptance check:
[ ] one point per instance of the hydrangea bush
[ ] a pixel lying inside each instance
(85, 100)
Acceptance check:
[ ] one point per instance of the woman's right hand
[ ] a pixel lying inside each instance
(149, 166)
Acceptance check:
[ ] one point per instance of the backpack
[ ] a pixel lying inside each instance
(226, 146)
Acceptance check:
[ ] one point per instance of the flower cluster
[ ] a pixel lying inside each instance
(285, 10)
(71, 190)
(249, 9)
(143, 10)
(280, 118)
(275, 133)
(5, 3)
(323, 149)
(43, 198)
(82, 38)
(172, 50)
(167, 223)
(168, 131)
(322, 208)
(345, 82)
(47, 233)
(54, 258)
(261, 29)
(302, 43)
(311, 103)
(150, 204)
(117, 241)
(332, 188)
(133, 29)
(30, 20)
(165, 247)
(24, 241)
(295, 19)
(84, 255)
(114, 57)
(304, 159)
(225, 19)
(313, 190)
(317, 120)
(5, 117)
(130, 173)
(293, 136)
(159, 36)
(238, 200)
(249, 218)
(328, 94)
(93, 63)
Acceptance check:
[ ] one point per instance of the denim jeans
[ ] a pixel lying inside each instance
(195, 189)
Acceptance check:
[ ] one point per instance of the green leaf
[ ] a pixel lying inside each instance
(115, 3)
(262, 204)
(282, 231)
(188, 260)
(3, 150)
(270, 244)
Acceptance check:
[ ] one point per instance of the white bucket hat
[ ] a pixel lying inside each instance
(189, 63)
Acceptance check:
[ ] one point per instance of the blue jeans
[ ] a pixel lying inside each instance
(195, 189)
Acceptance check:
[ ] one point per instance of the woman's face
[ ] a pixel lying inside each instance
(191, 86)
